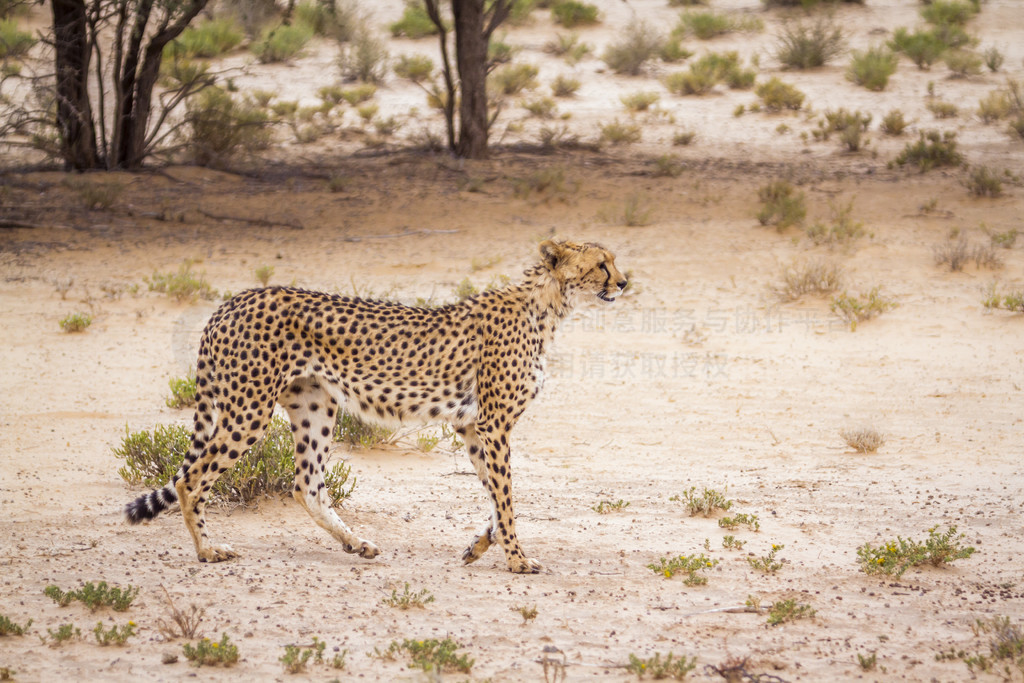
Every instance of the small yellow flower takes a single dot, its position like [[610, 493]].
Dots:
[[216, 645], [131, 623]]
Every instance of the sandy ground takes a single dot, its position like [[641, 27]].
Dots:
[[698, 377]]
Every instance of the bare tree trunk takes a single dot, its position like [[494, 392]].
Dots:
[[471, 58], [74, 113]]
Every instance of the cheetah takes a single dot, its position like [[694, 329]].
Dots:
[[476, 365]]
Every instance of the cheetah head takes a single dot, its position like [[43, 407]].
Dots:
[[583, 268]]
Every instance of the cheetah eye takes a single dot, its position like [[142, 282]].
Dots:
[[605, 269]]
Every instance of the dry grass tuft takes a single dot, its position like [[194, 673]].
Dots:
[[863, 440]]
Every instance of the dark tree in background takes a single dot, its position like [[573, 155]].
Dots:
[[104, 109], [474, 23]]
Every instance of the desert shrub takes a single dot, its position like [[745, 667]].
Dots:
[[850, 127], [982, 181], [776, 95], [565, 86], [617, 133], [268, 468], [512, 79], [640, 43], [782, 205], [281, 43], [840, 229], [962, 63], [13, 41], [872, 68], [570, 13], [706, 72], [941, 109], [863, 440], [569, 47], [364, 57], [893, 123], [806, 46], [75, 322], [337, 20], [414, 23], [856, 309], [705, 24], [639, 101], [896, 557], [805, 4], [683, 138], [416, 68], [924, 47], [993, 59], [817, 277], [994, 106], [948, 12], [218, 126], [932, 150], [541, 107], [206, 40], [672, 50]]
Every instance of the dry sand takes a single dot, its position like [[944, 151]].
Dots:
[[698, 377]]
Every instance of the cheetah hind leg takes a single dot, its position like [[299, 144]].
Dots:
[[312, 411], [487, 537]]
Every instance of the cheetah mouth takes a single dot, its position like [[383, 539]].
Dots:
[[603, 296]]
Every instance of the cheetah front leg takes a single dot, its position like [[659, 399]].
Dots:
[[489, 454]]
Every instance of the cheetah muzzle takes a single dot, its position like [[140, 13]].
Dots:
[[475, 365]]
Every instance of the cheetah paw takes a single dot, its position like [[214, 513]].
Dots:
[[525, 565], [475, 551], [365, 550], [216, 553]]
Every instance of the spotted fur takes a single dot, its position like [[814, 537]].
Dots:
[[475, 365]]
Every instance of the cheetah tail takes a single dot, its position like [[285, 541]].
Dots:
[[149, 505]]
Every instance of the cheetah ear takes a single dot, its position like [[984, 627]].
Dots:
[[552, 252]]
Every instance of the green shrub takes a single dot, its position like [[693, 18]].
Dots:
[[806, 46], [776, 95], [618, 133], [711, 69], [94, 596], [206, 40], [416, 68], [805, 4], [217, 127], [183, 391], [669, 667], [705, 25], [924, 47], [788, 610], [11, 628], [893, 123], [212, 653], [896, 557], [268, 468], [841, 229], [983, 181], [115, 635], [14, 42], [76, 322], [569, 47], [783, 205], [639, 101], [849, 125], [872, 67], [184, 285], [281, 43], [672, 50], [415, 22], [512, 79], [993, 59], [691, 564], [364, 57], [932, 150], [994, 106], [570, 13], [962, 63], [640, 43], [430, 655], [565, 86], [948, 12], [855, 310]]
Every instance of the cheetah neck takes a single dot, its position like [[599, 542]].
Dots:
[[547, 298]]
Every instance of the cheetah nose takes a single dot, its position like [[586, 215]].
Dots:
[[622, 284]]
